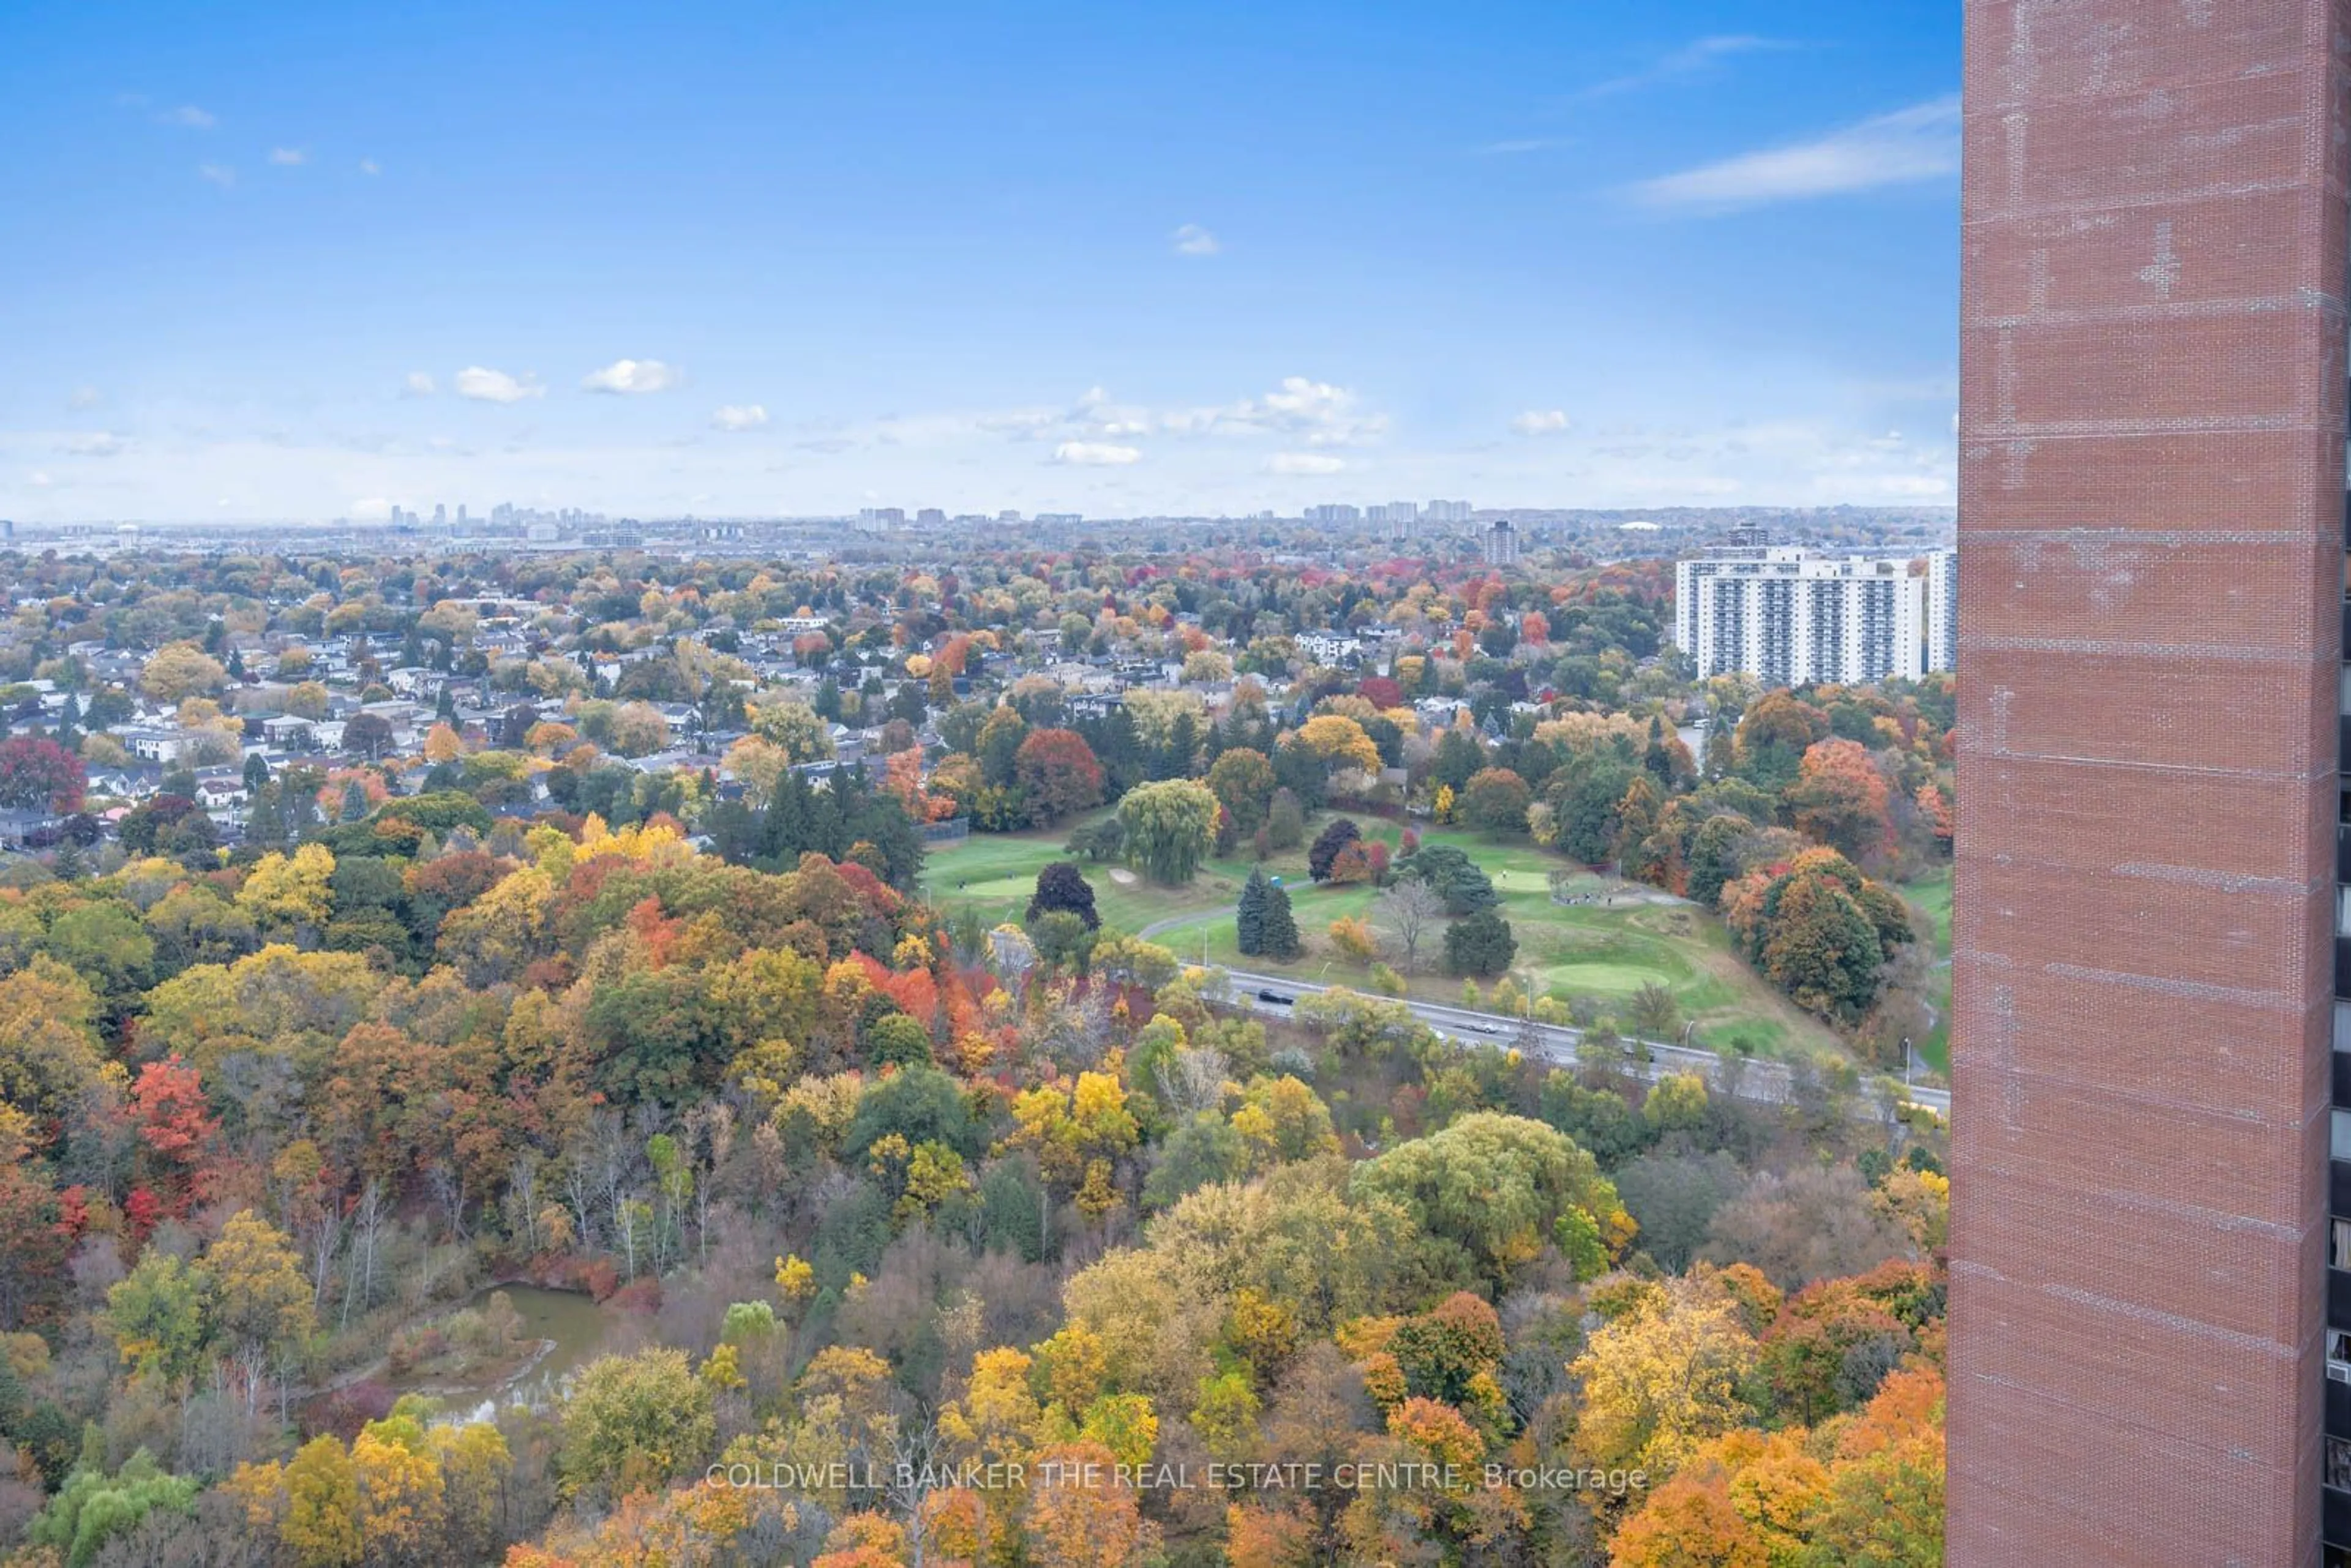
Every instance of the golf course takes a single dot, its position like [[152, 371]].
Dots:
[[1600, 938], [1931, 897]]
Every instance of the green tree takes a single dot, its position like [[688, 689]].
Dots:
[[1249, 922], [156, 1315], [1495, 801], [1000, 744], [1459, 756], [1168, 829], [1481, 944], [894, 1040], [1714, 856], [94, 1508], [1459, 881], [1585, 796], [635, 1421], [1488, 1191], [1280, 925]]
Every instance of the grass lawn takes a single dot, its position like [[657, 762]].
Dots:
[[996, 872], [1931, 895], [1624, 937]]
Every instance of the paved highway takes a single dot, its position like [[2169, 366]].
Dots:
[[1765, 1080]]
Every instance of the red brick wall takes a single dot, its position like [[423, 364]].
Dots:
[[2151, 505]]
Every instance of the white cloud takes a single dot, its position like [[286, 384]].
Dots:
[[1096, 454], [369, 166], [632, 376], [736, 417], [1540, 422], [1921, 143], [92, 444], [1319, 412], [189, 115], [1686, 61], [494, 386], [220, 175], [1304, 463], [1194, 240], [40, 481], [288, 157], [419, 384], [84, 397]]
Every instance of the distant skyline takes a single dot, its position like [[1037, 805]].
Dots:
[[805, 258]]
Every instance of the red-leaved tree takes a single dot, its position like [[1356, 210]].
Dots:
[[37, 774], [1058, 769]]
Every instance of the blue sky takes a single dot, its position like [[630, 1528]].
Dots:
[[277, 262]]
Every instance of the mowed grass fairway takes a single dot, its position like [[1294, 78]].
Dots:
[[1931, 897], [1619, 937], [996, 872]]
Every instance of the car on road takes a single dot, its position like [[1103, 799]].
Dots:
[[1486, 1028], [1275, 998]]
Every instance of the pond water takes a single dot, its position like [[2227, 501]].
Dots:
[[572, 1326]]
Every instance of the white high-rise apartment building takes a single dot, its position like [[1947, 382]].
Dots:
[[1943, 609], [1791, 618]]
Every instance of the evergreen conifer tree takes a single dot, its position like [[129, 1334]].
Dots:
[[1250, 917], [1280, 929]]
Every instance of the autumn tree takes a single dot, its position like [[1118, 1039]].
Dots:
[[261, 1304], [1353, 939], [1079, 1513], [36, 774], [367, 735], [1341, 742], [794, 729], [1324, 851], [1840, 798], [1243, 782], [1773, 734], [52, 1064], [1059, 773], [321, 1522], [178, 671], [1660, 1379], [1819, 930], [289, 890]]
